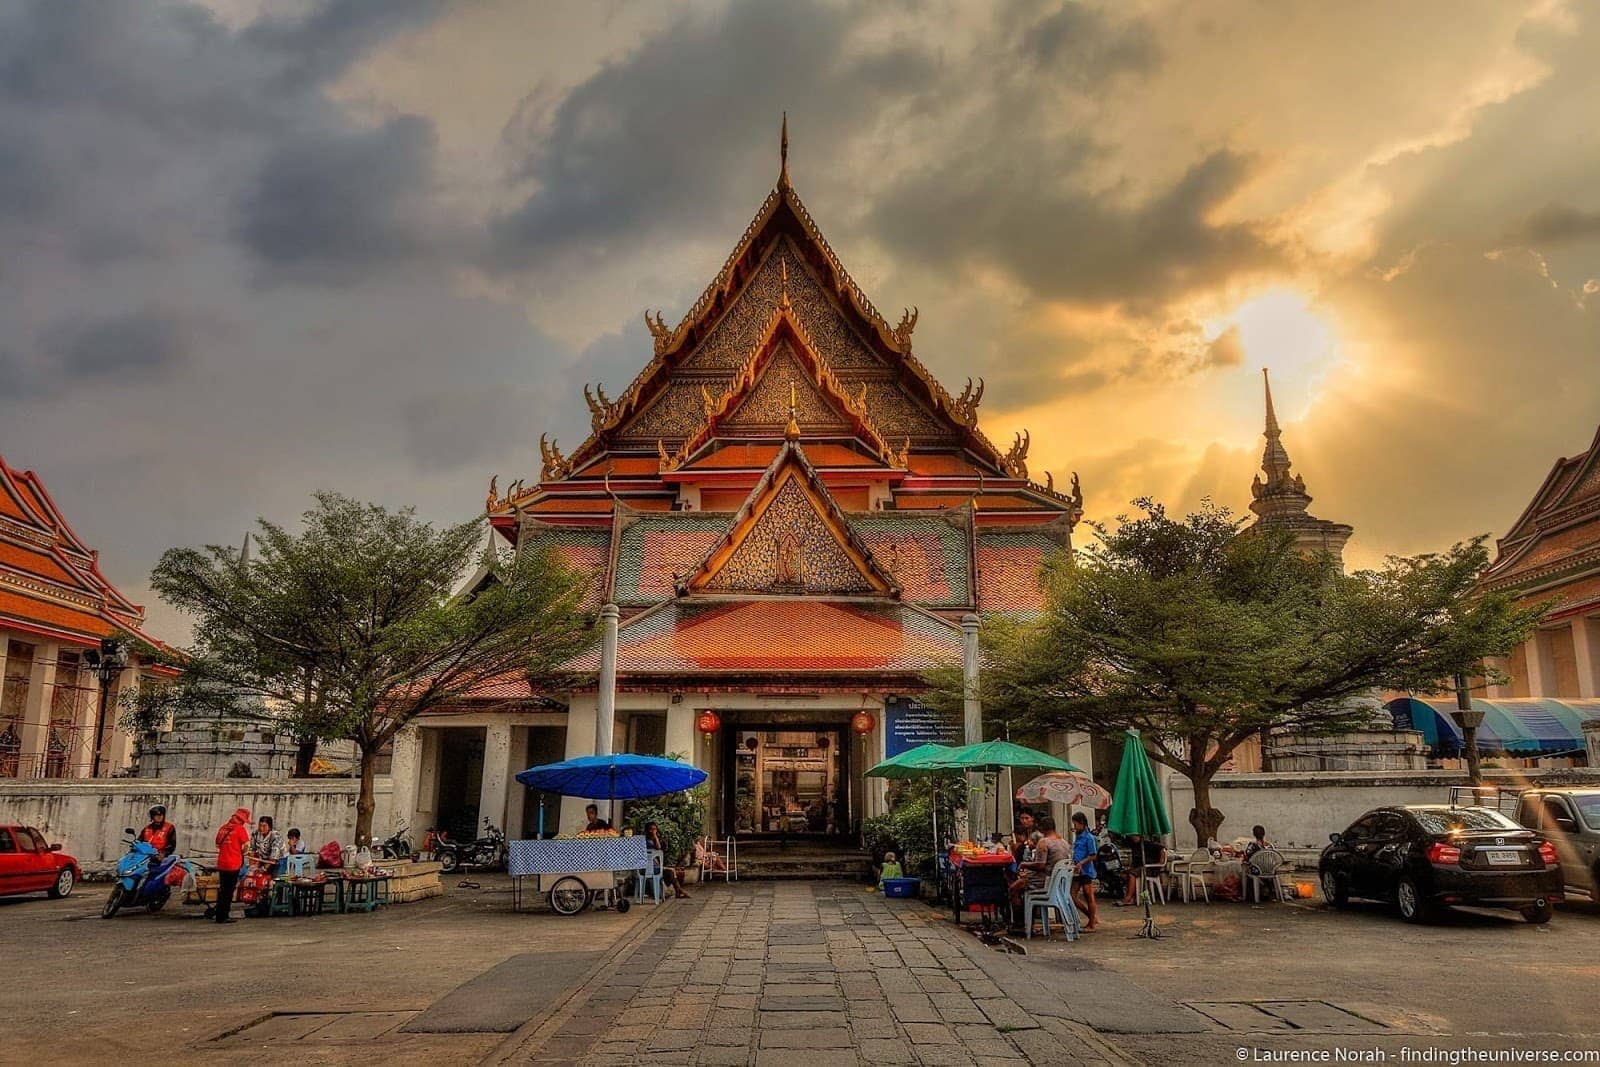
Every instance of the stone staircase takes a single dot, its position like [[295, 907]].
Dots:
[[762, 860]]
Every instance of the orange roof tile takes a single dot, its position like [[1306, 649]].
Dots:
[[786, 634], [39, 564], [24, 609]]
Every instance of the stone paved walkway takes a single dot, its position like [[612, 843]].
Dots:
[[813, 973]]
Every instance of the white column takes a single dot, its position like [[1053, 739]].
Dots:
[[405, 770], [517, 794], [1540, 676], [119, 743], [580, 742], [36, 707], [1585, 653], [681, 736], [979, 815], [427, 798], [605, 722], [496, 773]]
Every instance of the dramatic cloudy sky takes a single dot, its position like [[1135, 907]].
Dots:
[[253, 249]]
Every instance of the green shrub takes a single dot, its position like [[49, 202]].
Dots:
[[681, 817]]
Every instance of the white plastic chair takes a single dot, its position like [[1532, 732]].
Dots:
[[1153, 879], [1056, 896], [650, 878], [1263, 870], [298, 865], [1191, 873], [727, 850]]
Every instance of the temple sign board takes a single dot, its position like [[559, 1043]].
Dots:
[[908, 724]]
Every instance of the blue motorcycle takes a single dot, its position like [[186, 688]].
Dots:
[[141, 879]]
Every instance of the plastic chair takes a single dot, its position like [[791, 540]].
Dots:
[[649, 879], [1056, 897], [297, 866], [1191, 873], [1262, 870], [1152, 879], [727, 850]]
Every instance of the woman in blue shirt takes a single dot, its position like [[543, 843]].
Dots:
[[1084, 847]]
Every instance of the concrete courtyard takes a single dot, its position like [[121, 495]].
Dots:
[[758, 973]]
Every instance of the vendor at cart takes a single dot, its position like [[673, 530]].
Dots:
[[595, 822]]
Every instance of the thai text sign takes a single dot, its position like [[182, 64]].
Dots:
[[909, 724]]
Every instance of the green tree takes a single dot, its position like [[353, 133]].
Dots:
[[350, 625], [1201, 636]]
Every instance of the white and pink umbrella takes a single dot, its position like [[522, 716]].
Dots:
[[1064, 787]]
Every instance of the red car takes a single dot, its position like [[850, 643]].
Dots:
[[28, 864]]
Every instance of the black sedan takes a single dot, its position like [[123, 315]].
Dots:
[[1426, 856]]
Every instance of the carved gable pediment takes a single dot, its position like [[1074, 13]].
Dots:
[[784, 381], [789, 537]]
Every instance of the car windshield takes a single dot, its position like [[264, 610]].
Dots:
[[1448, 820], [1589, 808]]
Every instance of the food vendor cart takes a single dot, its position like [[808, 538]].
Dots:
[[979, 882], [571, 871]]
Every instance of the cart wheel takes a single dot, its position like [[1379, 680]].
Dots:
[[623, 904], [569, 896]]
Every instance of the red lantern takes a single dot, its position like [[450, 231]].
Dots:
[[708, 722], [863, 722]]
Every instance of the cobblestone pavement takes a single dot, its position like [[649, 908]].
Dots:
[[807, 972]]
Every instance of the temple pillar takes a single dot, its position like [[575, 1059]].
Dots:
[[427, 795], [405, 767], [1585, 654], [119, 742], [681, 736], [496, 773], [972, 725], [36, 706], [605, 722], [1537, 665], [517, 793]]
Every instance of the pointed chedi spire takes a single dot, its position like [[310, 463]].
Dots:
[[783, 153], [1275, 458], [244, 550]]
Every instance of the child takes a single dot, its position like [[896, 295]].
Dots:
[[296, 847], [891, 869]]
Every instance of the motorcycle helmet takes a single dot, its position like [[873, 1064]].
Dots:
[[159, 809]]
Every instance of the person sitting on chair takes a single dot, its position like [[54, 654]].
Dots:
[[672, 873], [708, 860], [1141, 854], [891, 869], [1258, 843]]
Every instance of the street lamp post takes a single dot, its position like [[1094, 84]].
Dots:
[[107, 663], [1469, 721]]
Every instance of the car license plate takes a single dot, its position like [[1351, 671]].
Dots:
[[1503, 857]]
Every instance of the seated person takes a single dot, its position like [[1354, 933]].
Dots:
[[672, 873], [1048, 849], [1142, 854], [891, 869], [707, 860], [295, 846], [266, 846], [1019, 844], [1258, 842], [594, 821], [997, 844]]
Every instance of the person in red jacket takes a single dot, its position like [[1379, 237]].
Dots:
[[231, 842]]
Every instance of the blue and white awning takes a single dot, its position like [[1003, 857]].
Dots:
[[1530, 727]]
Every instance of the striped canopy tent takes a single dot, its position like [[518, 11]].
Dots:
[[1527, 728]]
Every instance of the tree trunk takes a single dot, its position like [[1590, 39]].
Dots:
[[366, 801], [1206, 820], [1469, 740], [304, 754]]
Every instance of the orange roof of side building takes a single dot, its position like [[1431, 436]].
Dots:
[[50, 581]]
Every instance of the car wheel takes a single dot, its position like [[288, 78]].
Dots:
[[1334, 890], [569, 896], [1408, 898], [1538, 912], [113, 902], [63, 884]]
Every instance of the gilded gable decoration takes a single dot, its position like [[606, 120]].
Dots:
[[659, 330], [902, 332], [965, 407], [556, 466], [1015, 462]]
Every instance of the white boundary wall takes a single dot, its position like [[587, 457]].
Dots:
[[87, 816]]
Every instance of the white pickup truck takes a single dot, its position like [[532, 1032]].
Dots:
[[1570, 819]]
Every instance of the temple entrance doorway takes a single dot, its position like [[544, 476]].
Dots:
[[788, 781]]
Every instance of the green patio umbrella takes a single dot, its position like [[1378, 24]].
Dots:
[[912, 763], [1136, 805], [992, 757], [915, 763]]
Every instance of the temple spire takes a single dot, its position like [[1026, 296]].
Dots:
[[783, 153], [1275, 458]]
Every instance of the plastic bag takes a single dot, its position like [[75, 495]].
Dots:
[[330, 857]]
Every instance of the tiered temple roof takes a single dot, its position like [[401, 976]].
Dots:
[[50, 581], [784, 462], [1553, 549]]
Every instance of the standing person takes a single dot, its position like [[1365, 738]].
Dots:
[[1084, 847], [232, 840]]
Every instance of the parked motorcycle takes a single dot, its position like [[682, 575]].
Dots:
[[145, 878], [397, 846], [487, 853]]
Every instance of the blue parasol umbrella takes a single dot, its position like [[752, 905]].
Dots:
[[619, 776]]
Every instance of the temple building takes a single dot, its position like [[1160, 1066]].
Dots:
[[55, 610], [789, 521]]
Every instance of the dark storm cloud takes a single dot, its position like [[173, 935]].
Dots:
[[665, 140], [1556, 223], [146, 344], [321, 44], [1080, 43], [332, 205]]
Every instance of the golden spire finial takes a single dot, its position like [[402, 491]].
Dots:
[[783, 153], [783, 268], [791, 432]]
